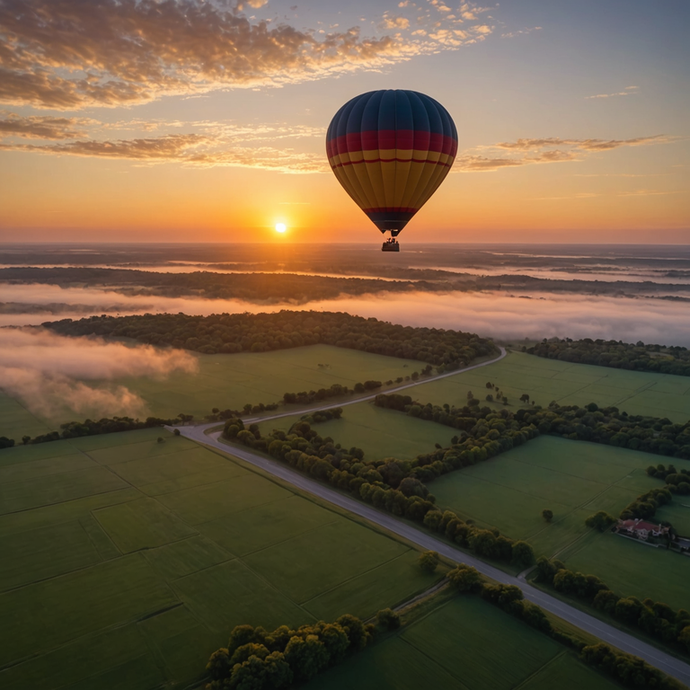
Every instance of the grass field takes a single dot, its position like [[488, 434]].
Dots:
[[229, 381], [378, 432], [659, 395], [131, 560], [633, 569], [466, 644], [574, 479]]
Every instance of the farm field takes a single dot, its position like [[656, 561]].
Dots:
[[634, 569], [574, 479], [659, 395], [380, 433], [455, 646], [229, 381], [139, 557]]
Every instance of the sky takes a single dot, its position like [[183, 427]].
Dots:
[[205, 121]]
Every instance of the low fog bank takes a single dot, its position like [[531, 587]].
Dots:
[[46, 372], [500, 315], [544, 316]]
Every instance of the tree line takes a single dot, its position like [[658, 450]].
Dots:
[[606, 425], [677, 481], [266, 288], [616, 354], [257, 659], [388, 484], [629, 670], [228, 333], [106, 425], [657, 619]]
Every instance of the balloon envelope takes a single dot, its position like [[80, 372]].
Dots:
[[391, 150]]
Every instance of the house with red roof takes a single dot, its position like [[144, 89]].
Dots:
[[640, 529]]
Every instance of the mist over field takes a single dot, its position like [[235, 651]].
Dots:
[[495, 314], [47, 371]]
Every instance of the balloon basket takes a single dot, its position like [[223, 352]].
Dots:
[[391, 246]]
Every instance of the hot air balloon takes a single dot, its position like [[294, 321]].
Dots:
[[390, 150]]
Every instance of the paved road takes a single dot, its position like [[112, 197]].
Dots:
[[361, 398], [627, 643]]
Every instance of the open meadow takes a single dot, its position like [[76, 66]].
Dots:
[[227, 381], [544, 380], [380, 433], [574, 479], [138, 557], [456, 646]]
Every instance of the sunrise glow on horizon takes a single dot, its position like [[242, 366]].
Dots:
[[571, 117]]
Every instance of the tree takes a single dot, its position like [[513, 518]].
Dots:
[[355, 631], [547, 514], [524, 398], [465, 578], [523, 554], [306, 656], [26, 439], [684, 637], [387, 619], [176, 432], [600, 521], [428, 561]]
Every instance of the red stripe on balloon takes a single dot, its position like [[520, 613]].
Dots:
[[391, 209], [392, 139], [390, 160]]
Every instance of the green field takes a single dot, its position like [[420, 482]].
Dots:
[[229, 381], [659, 395], [574, 479], [633, 569], [131, 560], [380, 433], [466, 644]]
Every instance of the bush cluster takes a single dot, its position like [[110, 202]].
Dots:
[[629, 670], [677, 482], [262, 660], [654, 618], [229, 333], [308, 397], [107, 425], [321, 416], [645, 505], [616, 354]]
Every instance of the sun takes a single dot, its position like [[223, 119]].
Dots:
[[281, 227]]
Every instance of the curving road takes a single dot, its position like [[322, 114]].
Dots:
[[627, 643]]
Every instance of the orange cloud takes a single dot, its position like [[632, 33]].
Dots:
[[71, 54], [39, 127]]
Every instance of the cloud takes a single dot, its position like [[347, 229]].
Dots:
[[521, 32], [581, 144], [395, 22], [475, 163], [628, 91], [649, 192], [169, 147], [72, 54], [190, 149], [47, 372], [541, 150], [40, 127]]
